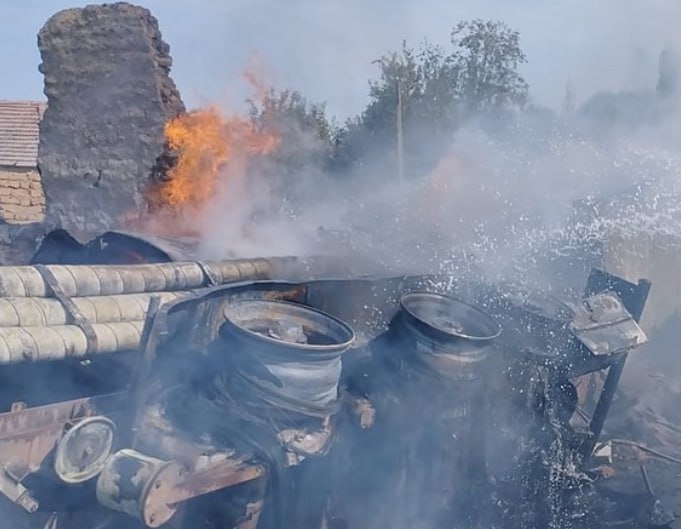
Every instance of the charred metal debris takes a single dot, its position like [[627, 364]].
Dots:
[[171, 393]]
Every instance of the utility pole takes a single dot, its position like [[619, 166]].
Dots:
[[400, 138], [570, 100]]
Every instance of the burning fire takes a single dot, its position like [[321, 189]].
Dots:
[[208, 152], [208, 147]]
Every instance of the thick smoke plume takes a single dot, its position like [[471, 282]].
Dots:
[[502, 190]]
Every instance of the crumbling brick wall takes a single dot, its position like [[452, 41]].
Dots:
[[21, 195], [109, 92]]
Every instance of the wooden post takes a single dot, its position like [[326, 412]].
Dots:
[[400, 139]]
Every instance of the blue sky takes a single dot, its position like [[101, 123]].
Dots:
[[325, 47]]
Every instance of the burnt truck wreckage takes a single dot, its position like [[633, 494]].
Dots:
[[145, 388], [289, 392]]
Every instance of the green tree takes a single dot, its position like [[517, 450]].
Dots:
[[429, 85], [488, 54], [425, 82], [439, 89], [306, 134], [306, 145]]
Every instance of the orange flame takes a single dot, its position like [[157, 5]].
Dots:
[[207, 145], [209, 149]]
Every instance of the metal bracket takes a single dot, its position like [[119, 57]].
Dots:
[[211, 280], [76, 316], [138, 384], [217, 475], [16, 492]]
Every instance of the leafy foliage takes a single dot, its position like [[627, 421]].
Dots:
[[489, 54], [307, 135], [307, 142], [438, 89]]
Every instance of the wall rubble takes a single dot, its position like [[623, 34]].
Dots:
[[106, 71]]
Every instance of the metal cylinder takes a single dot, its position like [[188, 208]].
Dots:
[[140, 486], [449, 337], [103, 280], [37, 312], [445, 342], [82, 281], [26, 344]]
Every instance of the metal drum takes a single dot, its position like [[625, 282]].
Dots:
[[445, 343], [450, 337]]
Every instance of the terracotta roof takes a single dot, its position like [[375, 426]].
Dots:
[[19, 132]]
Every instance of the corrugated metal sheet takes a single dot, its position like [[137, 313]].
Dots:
[[19, 132]]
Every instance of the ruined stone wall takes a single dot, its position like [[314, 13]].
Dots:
[[109, 92], [21, 195]]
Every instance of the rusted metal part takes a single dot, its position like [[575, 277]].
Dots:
[[211, 279], [158, 437], [82, 452], [217, 475], [363, 409], [634, 297], [296, 294], [153, 489], [13, 490], [251, 516], [603, 324], [238, 508], [210, 470], [301, 444], [139, 485], [28, 436], [30, 422], [141, 373], [158, 505], [77, 316]]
